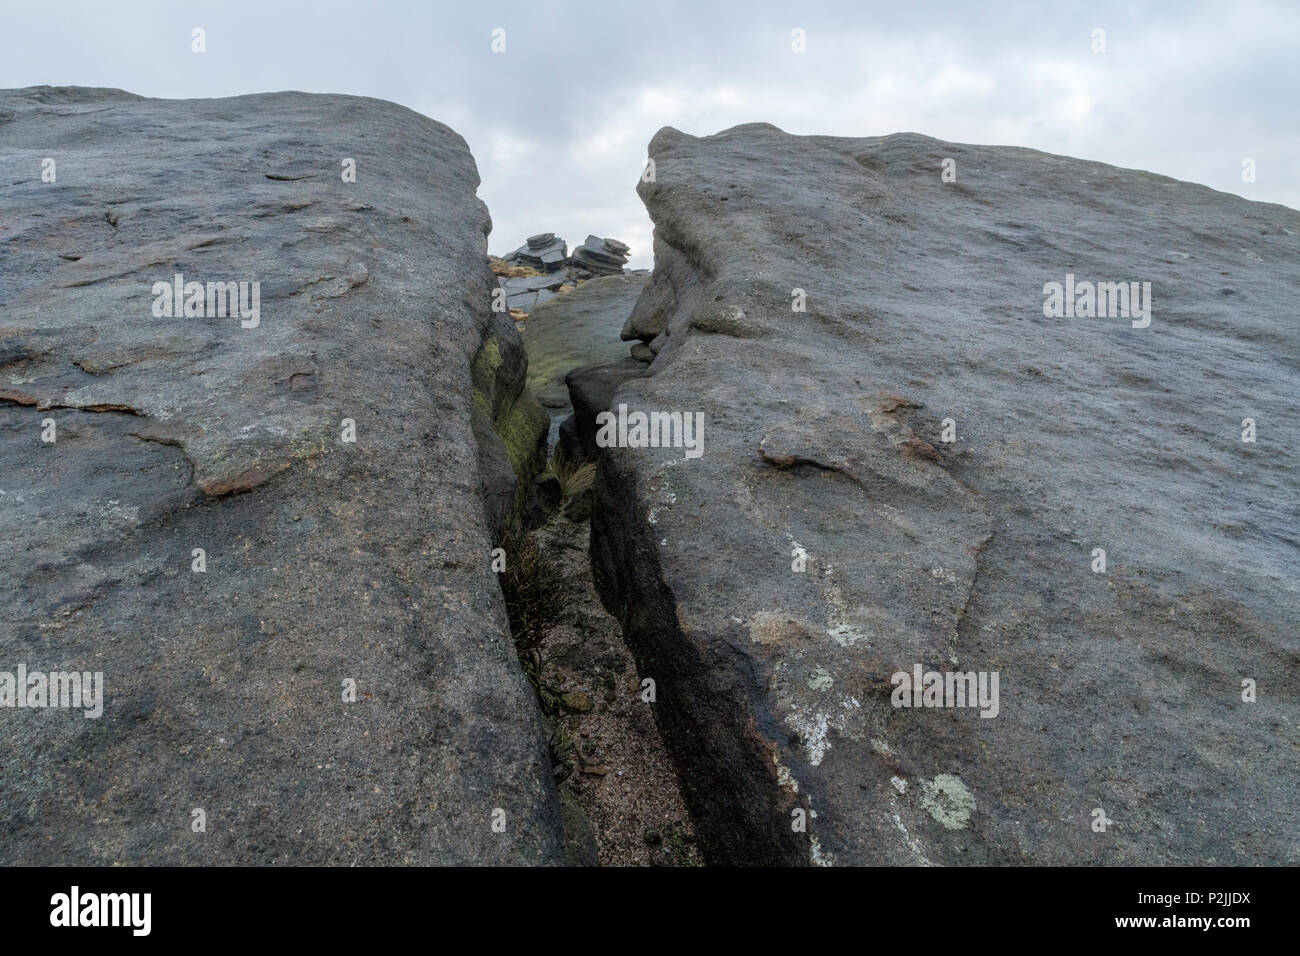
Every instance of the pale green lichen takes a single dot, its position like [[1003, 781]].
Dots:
[[948, 800], [520, 426], [819, 856], [548, 370]]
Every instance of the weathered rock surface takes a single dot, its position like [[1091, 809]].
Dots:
[[510, 425], [591, 390], [326, 562], [576, 329], [1119, 691]]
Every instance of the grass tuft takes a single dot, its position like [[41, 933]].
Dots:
[[533, 590], [574, 479]]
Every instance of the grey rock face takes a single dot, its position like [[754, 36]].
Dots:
[[1120, 692], [591, 390], [326, 562]]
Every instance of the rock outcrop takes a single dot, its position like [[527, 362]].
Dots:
[[906, 463], [538, 271], [200, 528]]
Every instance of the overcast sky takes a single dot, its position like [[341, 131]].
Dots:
[[559, 121]]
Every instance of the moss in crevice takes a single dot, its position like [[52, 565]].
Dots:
[[512, 424]]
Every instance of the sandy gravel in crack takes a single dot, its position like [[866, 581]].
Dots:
[[604, 740]]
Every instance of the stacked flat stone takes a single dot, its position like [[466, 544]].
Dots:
[[526, 293], [544, 252], [601, 256]]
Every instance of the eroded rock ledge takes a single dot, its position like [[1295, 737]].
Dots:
[[923, 304]]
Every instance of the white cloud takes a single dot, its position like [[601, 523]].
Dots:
[[559, 124]]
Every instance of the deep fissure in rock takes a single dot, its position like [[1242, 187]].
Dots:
[[620, 798]]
